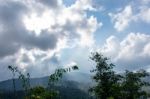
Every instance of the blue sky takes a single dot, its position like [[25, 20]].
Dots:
[[39, 36]]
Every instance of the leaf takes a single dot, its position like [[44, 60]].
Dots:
[[75, 67]]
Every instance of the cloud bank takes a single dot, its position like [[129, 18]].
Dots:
[[132, 52]]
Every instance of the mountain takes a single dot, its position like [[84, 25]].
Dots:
[[8, 84], [72, 79], [71, 86]]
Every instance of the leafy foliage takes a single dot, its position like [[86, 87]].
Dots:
[[39, 92], [106, 79], [53, 78], [132, 84], [110, 85]]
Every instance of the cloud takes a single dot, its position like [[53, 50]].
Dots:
[[77, 27], [129, 53], [111, 46], [10, 17], [50, 3], [33, 34], [122, 19], [44, 41], [135, 12], [144, 14], [145, 1]]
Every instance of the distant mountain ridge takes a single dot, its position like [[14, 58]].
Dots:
[[70, 87], [81, 81]]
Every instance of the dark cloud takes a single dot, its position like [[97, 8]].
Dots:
[[50, 3], [44, 41], [10, 14], [7, 49], [14, 34]]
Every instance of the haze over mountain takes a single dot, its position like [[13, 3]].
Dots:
[[67, 86], [83, 83]]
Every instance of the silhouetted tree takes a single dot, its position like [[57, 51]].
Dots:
[[53, 78], [107, 82], [13, 70], [110, 85], [24, 79], [132, 84], [57, 75]]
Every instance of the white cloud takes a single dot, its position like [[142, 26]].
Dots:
[[111, 46], [144, 14], [122, 19], [70, 20], [145, 1], [146, 51], [36, 23], [83, 5], [131, 53], [131, 13]]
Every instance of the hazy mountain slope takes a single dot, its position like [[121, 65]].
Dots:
[[69, 86], [73, 80]]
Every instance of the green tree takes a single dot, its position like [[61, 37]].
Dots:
[[110, 85], [40, 92], [107, 81], [133, 83]]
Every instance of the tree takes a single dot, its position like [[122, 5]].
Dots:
[[107, 81], [132, 84], [25, 79], [25, 82], [13, 70], [57, 75], [39, 92], [110, 85], [53, 78]]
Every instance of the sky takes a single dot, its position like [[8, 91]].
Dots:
[[39, 36]]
